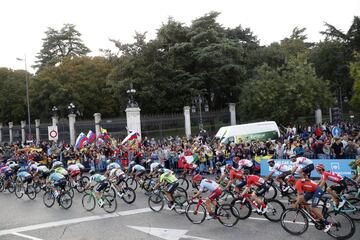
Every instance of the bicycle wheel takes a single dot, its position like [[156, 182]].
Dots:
[[183, 183], [110, 203], [274, 211], [12, 187], [180, 208], [2, 184], [294, 221], [132, 183], [343, 226], [271, 193], [110, 191], [70, 190], [226, 196], [156, 202], [65, 200], [353, 209], [19, 190], [227, 215], [31, 192], [196, 213], [148, 184], [81, 183], [243, 208], [180, 195], [49, 198], [37, 187], [88, 202], [129, 195]]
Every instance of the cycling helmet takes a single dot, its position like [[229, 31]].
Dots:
[[228, 167], [290, 178], [320, 167], [197, 177], [108, 162], [270, 160], [57, 164], [292, 156], [218, 164], [92, 172]]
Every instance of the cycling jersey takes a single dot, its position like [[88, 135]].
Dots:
[[73, 167], [305, 185], [254, 180], [302, 162], [236, 174], [61, 170], [116, 173], [331, 176], [113, 165], [97, 178], [23, 175], [208, 184], [280, 167], [168, 178], [153, 166], [56, 177], [245, 163], [42, 169], [138, 168]]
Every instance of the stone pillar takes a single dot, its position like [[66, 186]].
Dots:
[[318, 116], [232, 109], [1, 125], [187, 121], [330, 115], [97, 117], [37, 130], [72, 120], [23, 137], [10, 132], [55, 120], [133, 119]]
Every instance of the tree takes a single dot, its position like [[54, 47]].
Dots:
[[81, 80], [355, 75], [283, 94], [58, 45]]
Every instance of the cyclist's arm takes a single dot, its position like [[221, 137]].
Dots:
[[299, 199], [321, 182], [246, 190], [268, 176], [197, 194], [231, 180]]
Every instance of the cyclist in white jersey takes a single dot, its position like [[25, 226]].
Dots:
[[301, 165], [281, 170]]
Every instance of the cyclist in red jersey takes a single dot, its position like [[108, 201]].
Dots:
[[261, 187], [233, 176], [306, 190], [336, 188]]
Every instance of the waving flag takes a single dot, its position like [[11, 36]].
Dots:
[[91, 136], [104, 133], [132, 135], [81, 140]]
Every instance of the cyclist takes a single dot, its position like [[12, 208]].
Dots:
[[74, 171], [245, 164], [282, 170], [112, 165], [306, 190], [171, 183], [301, 165], [254, 181], [56, 180], [137, 171], [101, 184], [233, 176], [116, 175], [334, 189], [24, 177], [59, 168], [214, 189]]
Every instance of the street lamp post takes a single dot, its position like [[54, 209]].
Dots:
[[131, 102], [197, 103], [71, 108], [27, 94]]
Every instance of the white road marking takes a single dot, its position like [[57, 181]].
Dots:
[[72, 221], [167, 233], [26, 236]]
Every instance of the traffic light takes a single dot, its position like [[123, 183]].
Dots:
[[336, 114]]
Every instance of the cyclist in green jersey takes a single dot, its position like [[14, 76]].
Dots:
[[168, 179], [101, 182]]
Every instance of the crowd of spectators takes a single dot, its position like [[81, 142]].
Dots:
[[309, 141]]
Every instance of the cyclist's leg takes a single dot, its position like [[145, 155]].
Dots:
[[332, 191]]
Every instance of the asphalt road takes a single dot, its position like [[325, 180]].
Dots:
[[26, 219]]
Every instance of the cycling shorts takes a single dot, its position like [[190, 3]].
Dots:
[[215, 194], [172, 186], [102, 185], [261, 190], [75, 173], [241, 184], [120, 179], [307, 169], [139, 173], [61, 183], [283, 175], [315, 196], [339, 187]]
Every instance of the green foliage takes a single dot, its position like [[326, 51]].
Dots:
[[355, 75], [283, 94], [58, 45]]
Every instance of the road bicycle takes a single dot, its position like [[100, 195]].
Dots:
[[21, 189], [127, 194], [158, 198], [62, 197], [89, 201], [275, 189], [351, 206], [245, 206], [80, 183], [296, 221], [145, 183], [225, 213]]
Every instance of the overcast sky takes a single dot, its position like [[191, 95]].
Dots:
[[23, 22]]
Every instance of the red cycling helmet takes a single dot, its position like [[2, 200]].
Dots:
[[197, 177], [320, 167], [290, 178], [228, 167]]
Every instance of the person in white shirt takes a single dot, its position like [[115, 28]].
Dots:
[[302, 166]]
